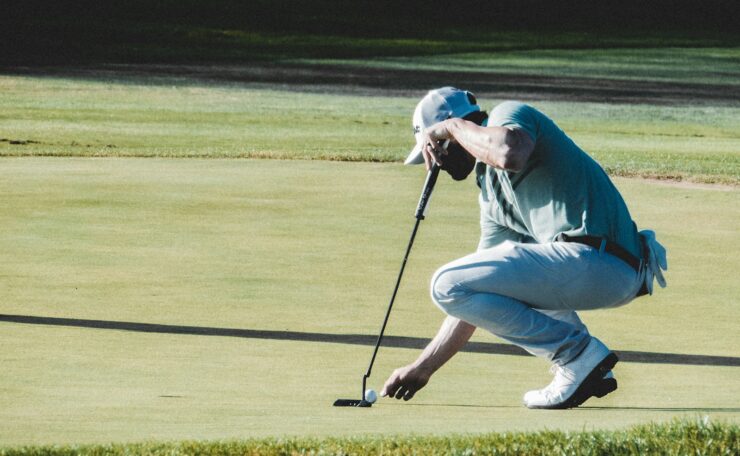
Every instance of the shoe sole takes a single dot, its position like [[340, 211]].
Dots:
[[593, 385], [606, 386]]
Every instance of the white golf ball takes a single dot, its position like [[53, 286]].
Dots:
[[371, 396]]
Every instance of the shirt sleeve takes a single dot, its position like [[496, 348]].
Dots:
[[516, 115]]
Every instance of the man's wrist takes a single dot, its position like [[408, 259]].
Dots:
[[451, 125], [425, 366]]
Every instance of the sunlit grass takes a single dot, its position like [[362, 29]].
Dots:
[[163, 117], [310, 247]]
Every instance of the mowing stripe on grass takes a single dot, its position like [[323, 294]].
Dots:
[[353, 339]]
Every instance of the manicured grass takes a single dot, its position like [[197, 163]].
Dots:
[[213, 249], [675, 438], [180, 117], [314, 247]]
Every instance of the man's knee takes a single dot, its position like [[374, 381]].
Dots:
[[446, 289]]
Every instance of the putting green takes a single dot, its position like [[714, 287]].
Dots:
[[309, 247]]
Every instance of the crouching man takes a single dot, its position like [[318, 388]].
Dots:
[[556, 238]]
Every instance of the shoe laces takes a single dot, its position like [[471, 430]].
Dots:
[[553, 391], [561, 374]]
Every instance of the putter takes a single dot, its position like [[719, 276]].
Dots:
[[421, 210]]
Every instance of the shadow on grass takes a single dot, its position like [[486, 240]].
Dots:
[[238, 41], [353, 339], [371, 81]]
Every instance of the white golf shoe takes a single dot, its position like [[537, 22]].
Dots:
[[587, 375]]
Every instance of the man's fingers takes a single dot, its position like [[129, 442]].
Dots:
[[440, 147], [390, 392], [427, 160], [391, 386], [403, 384], [432, 152], [429, 156], [436, 152], [401, 392]]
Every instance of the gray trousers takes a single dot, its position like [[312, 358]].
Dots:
[[528, 293]]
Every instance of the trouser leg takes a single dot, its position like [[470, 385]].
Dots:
[[502, 290], [567, 316], [519, 324]]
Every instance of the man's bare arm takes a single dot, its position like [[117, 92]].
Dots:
[[405, 381], [500, 147]]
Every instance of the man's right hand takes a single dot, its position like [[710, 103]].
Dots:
[[404, 382]]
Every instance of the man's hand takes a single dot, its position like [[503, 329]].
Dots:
[[404, 382], [434, 140], [500, 147]]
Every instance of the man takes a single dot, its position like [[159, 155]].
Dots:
[[556, 238]]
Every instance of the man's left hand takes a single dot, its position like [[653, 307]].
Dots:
[[434, 138]]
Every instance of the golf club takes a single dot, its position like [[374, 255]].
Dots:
[[420, 214]]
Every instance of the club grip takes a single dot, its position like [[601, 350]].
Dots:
[[426, 194]]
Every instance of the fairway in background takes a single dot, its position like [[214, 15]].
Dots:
[[149, 116]]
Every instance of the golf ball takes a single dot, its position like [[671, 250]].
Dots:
[[371, 396]]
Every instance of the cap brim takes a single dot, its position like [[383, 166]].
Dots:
[[415, 156]]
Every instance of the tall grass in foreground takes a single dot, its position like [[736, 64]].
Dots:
[[675, 438]]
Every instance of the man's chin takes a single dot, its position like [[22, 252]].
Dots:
[[460, 170], [459, 176], [459, 163]]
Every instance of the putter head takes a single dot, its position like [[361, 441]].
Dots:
[[352, 403]]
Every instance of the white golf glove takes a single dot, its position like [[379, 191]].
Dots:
[[656, 262]]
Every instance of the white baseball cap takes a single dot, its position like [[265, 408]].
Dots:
[[436, 106]]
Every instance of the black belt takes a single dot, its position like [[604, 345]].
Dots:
[[610, 248]]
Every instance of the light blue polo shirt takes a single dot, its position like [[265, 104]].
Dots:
[[561, 189]]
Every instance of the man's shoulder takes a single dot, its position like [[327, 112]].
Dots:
[[511, 103], [514, 108], [518, 115]]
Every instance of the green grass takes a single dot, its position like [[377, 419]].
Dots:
[[675, 438], [105, 216], [309, 246], [181, 117]]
